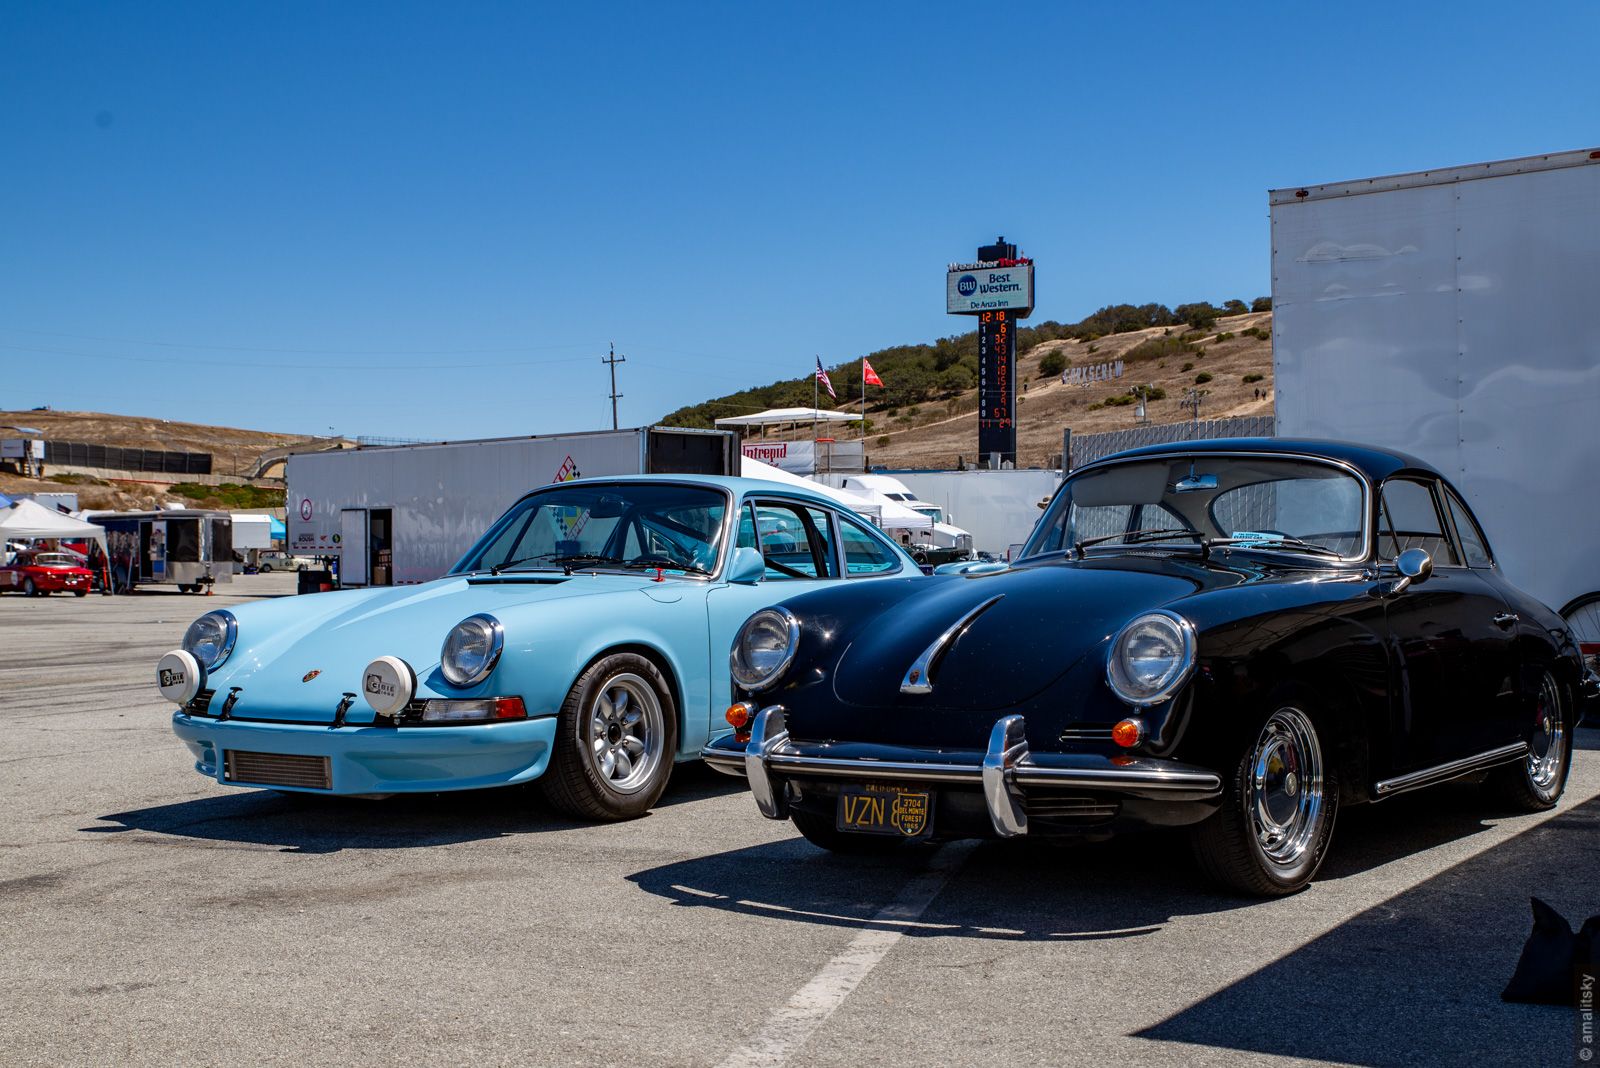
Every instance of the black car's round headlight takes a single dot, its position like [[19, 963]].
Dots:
[[1151, 657], [764, 648], [471, 650], [210, 638]]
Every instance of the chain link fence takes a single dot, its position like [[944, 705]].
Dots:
[[1091, 447]]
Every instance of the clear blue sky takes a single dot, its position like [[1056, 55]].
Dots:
[[428, 221]]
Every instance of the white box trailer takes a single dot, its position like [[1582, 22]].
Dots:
[[403, 514], [999, 507], [1450, 314]]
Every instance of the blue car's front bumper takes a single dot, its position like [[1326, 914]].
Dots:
[[367, 760]]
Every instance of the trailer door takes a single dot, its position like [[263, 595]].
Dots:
[[353, 547]]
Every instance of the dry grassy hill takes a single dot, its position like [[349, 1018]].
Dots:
[[935, 434], [232, 450]]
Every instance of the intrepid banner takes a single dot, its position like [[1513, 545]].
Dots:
[[978, 287]]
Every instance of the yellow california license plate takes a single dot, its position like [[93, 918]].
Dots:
[[892, 810]]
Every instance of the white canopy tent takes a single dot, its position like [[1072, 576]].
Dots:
[[31, 521], [773, 416], [888, 514]]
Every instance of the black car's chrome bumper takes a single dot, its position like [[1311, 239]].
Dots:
[[1004, 772]]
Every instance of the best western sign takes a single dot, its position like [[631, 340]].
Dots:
[[970, 288]]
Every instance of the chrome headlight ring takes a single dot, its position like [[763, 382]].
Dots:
[[480, 639], [210, 638], [778, 628], [1146, 633]]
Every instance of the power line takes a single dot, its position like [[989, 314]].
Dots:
[[302, 352], [292, 366]]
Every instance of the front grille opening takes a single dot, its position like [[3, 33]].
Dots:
[[1087, 732], [1066, 809], [199, 703], [276, 769]]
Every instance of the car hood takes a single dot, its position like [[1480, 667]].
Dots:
[[296, 657], [1033, 624]]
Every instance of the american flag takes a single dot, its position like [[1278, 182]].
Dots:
[[822, 376]]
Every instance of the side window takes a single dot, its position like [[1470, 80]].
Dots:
[[790, 541], [1409, 519], [863, 553], [1473, 545]]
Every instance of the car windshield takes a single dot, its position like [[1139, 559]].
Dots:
[[606, 525], [1246, 501]]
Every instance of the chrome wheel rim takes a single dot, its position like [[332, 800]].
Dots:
[[1546, 747], [625, 732], [1286, 802]]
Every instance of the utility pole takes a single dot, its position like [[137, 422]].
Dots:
[[1191, 401], [613, 360]]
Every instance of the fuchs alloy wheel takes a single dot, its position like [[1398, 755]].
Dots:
[[1536, 782], [616, 737], [1277, 816]]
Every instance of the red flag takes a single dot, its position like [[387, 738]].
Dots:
[[868, 375], [822, 376]]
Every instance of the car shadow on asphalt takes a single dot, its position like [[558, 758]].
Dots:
[[1036, 890], [312, 823], [1417, 979]]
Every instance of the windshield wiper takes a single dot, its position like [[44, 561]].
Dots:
[[662, 563], [1275, 541], [564, 562], [1131, 536]]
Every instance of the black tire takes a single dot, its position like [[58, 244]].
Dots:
[[80, 593], [578, 781], [29, 588], [265, 569], [1228, 845], [1536, 782], [823, 831]]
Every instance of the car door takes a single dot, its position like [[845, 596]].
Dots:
[[799, 541], [1454, 658]]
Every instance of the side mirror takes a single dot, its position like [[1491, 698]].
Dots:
[[747, 566], [1415, 566]]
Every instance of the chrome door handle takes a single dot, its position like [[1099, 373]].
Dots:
[[1506, 620]]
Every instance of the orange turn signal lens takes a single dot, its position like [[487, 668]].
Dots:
[[739, 715], [1128, 733]]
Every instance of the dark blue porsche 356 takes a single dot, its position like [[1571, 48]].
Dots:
[[1231, 636]]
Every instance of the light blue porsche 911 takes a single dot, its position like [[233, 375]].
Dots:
[[583, 642]]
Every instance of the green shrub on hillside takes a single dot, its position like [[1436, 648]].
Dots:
[[1052, 364], [1261, 304], [1188, 366], [1158, 347], [1225, 336], [1202, 378], [1253, 378], [229, 495]]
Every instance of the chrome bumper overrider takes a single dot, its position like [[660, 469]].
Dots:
[[1004, 772]]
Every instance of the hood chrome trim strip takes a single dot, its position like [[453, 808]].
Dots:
[[919, 676]]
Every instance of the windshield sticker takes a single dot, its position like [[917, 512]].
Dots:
[[1255, 535]]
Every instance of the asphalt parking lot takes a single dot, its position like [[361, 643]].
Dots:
[[154, 917]]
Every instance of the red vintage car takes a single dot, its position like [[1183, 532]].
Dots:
[[43, 573]]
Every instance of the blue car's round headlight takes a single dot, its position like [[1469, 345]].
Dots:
[[471, 650], [210, 638], [1151, 657], [764, 648]]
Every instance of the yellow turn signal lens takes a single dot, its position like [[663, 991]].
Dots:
[[739, 715], [1128, 733]]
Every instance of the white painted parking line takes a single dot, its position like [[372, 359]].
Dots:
[[789, 1027]]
